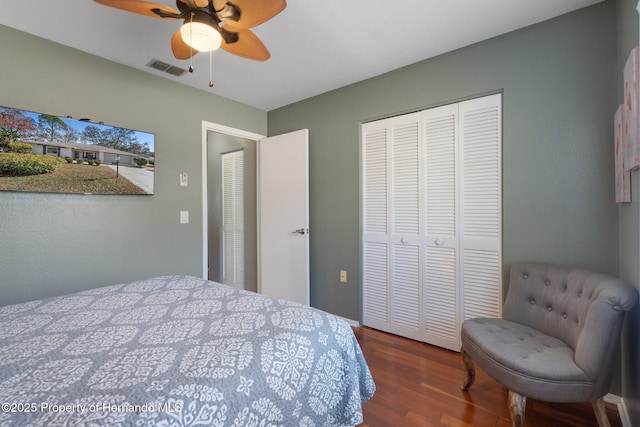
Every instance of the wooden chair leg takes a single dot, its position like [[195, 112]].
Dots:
[[601, 412], [517, 404], [471, 371]]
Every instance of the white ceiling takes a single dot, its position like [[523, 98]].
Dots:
[[315, 45]]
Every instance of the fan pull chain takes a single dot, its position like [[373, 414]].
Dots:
[[191, 45], [210, 68]]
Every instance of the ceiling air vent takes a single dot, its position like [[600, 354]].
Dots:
[[167, 68]]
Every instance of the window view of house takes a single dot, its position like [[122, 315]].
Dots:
[[125, 158]]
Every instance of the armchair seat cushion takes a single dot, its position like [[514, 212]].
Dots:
[[525, 359]]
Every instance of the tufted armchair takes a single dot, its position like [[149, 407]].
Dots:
[[558, 339]]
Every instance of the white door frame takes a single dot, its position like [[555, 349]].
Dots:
[[206, 127]]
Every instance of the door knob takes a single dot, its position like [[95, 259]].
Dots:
[[300, 231]]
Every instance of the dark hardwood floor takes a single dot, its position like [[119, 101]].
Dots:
[[419, 385]]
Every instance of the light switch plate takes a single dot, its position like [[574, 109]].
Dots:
[[184, 179], [184, 217]]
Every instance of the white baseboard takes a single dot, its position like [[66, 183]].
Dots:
[[352, 323], [622, 408]]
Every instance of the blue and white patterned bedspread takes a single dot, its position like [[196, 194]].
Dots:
[[178, 351]]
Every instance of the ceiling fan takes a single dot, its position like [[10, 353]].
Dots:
[[211, 24]]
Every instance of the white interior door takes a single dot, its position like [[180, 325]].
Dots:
[[283, 216]]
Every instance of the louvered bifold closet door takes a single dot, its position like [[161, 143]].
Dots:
[[391, 199], [375, 226], [406, 245], [440, 286], [481, 209], [432, 220], [233, 219]]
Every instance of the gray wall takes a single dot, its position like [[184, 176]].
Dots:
[[559, 85], [627, 34], [54, 244]]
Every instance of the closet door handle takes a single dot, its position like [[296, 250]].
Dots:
[[403, 240], [439, 242]]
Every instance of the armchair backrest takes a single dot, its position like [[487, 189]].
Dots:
[[582, 308]]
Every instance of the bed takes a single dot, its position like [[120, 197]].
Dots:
[[178, 351]]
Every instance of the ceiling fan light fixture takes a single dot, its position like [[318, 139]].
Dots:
[[202, 37]]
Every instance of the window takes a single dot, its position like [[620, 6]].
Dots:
[[51, 151]]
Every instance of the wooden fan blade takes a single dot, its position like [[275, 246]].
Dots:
[[180, 49], [253, 12], [196, 3], [137, 6], [248, 46], [218, 5]]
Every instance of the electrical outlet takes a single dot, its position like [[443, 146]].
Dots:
[[184, 179], [343, 276]]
